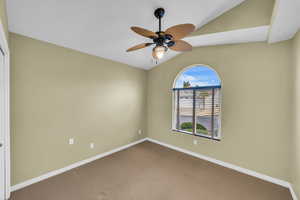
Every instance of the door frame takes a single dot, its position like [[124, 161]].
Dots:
[[5, 108]]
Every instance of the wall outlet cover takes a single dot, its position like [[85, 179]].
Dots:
[[71, 141], [92, 145]]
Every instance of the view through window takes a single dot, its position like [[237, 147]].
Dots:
[[197, 104]]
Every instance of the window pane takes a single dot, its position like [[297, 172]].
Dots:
[[175, 125], [203, 103], [186, 110]]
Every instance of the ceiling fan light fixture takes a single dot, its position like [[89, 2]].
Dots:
[[158, 52]]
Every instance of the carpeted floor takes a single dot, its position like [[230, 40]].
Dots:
[[149, 171]]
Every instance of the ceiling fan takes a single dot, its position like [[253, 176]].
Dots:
[[164, 40]]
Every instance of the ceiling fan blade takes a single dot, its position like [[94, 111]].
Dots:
[[144, 32], [139, 46], [181, 45], [180, 31]]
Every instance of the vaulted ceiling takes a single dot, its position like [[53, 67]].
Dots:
[[102, 28]]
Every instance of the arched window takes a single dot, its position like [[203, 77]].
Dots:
[[197, 102]]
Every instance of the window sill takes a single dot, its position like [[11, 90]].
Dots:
[[198, 135]]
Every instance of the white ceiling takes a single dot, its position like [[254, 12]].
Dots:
[[102, 28]]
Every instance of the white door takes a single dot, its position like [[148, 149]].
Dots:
[[2, 130]]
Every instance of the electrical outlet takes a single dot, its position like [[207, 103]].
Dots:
[[140, 132], [71, 141], [195, 142], [92, 145]]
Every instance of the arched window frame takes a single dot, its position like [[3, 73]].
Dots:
[[175, 97]]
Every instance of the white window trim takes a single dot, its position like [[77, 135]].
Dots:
[[174, 117], [5, 107]]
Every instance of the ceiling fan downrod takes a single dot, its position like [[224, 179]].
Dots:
[[159, 13]]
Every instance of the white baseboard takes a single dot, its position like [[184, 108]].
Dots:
[[231, 166], [293, 192], [77, 164], [225, 164], [197, 155]]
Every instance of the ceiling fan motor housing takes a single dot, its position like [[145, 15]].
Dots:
[[163, 39]]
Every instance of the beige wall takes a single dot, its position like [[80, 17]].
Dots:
[[3, 16], [248, 14], [296, 135], [57, 94], [256, 115]]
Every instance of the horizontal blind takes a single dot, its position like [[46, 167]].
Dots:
[[198, 111], [185, 110]]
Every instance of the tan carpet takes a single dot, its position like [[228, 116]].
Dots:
[[148, 171]]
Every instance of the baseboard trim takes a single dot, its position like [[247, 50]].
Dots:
[[293, 192], [197, 155], [225, 164], [72, 166]]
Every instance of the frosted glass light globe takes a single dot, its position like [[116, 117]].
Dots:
[[158, 52]]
